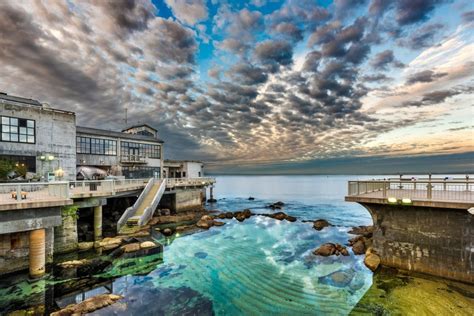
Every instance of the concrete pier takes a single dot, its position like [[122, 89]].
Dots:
[[98, 223], [37, 255], [421, 225]]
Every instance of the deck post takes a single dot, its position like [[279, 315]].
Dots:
[[98, 223], [211, 192], [37, 255], [18, 193], [384, 190]]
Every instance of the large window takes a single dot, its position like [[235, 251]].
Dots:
[[96, 146], [17, 130], [139, 149]]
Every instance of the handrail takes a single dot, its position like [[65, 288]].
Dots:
[[132, 209], [148, 213], [204, 181]]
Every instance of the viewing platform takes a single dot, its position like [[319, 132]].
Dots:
[[457, 193], [51, 194]]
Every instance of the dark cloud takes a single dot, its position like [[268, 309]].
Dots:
[[422, 37], [383, 60], [433, 98], [409, 11], [468, 16], [248, 74], [272, 52], [288, 29], [344, 7], [425, 76], [376, 78]]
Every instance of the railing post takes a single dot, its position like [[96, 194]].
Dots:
[[467, 183], [384, 190], [358, 189], [429, 190], [18, 193]]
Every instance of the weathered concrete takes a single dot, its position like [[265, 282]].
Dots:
[[37, 253], [29, 219], [98, 223], [55, 136], [182, 200], [65, 235], [434, 241]]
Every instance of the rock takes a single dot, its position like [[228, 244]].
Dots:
[[131, 247], [247, 213], [279, 203], [338, 278], [73, 263], [216, 223], [290, 218], [325, 250], [229, 215], [206, 218], [85, 245], [366, 231], [279, 216], [110, 240], [211, 200], [167, 232], [147, 244], [320, 224], [340, 249], [141, 233], [157, 229], [221, 216], [251, 198], [89, 305], [240, 216], [358, 247], [165, 212], [153, 221], [372, 261]]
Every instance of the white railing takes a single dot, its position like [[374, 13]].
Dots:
[[133, 158], [33, 191], [104, 186], [130, 211], [150, 210], [184, 182], [422, 189]]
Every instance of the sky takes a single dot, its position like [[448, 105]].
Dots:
[[260, 86]]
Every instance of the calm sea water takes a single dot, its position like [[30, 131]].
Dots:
[[258, 267]]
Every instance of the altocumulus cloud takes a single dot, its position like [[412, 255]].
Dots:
[[236, 81]]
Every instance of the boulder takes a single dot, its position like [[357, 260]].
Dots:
[[221, 216], [110, 240], [325, 250], [165, 212], [147, 244], [131, 247], [217, 223], [229, 215], [205, 224], [167, 232], [240, 216], [251, 198], [372, 261], [206, 218], [366, 231], [358, 247], [340, 249], [85, 245], [211, 200], [73, 263], [290, 218], [279, 203], [320, 224], [247, 213], [279, 216], [89, 305]]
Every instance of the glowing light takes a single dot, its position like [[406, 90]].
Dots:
[[50, 157], [406, 201], [42, 157], [392, 200]]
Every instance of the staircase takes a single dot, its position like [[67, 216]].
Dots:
[[142, 211]]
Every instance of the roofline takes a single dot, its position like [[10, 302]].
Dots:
[[180, 161], [107, 133], [35, 104], [139, 125]]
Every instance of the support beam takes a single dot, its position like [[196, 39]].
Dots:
[[37, 255], [98, 223]]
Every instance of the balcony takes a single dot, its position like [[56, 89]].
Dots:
[[133, 159]]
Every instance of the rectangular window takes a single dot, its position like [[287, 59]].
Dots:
[[96, 146], [142, 150], [17, 130]]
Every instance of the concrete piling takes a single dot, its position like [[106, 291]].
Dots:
[[98, 223], [37, 255]]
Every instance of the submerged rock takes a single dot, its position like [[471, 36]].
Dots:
[[281, 216], [319, 224], [73, 263], [147, 244], [221, 216], [229, 215], [85, 245], [365, 231], [276, 206], [329, 249], [338, 278], [217, 223], [89, 305], [167, 232], [358, 247], [205, 222], [131, 247], [211, 200], [251, 198]]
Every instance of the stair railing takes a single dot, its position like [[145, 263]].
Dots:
[[150, 210], [130, 211]]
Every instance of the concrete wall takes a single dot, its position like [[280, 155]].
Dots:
[[182, 200], [65, 235], [55, 135], [434, 241], [193, 169]]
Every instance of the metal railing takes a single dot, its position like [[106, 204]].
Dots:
[[417, 189], [130, 211], [184, 182], [104, 186], [150, 210], [133, 158], [33, 191]]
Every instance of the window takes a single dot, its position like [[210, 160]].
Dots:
[[96, 146], [143, 150], [17, 130]]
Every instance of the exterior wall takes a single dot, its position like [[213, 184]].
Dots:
[[434, 241], [55, 135], [182, 200], [193, 169], [65, 236]]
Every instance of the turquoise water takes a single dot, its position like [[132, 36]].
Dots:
[[260, 266]]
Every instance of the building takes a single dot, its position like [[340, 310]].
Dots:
[[37, 139], [183, 169], [131, 153]]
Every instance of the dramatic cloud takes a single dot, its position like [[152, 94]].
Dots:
[[258, 82]]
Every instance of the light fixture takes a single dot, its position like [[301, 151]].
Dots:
[[392, 200], [59, 172], [50, 157], [406, 201], [42, 157]]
